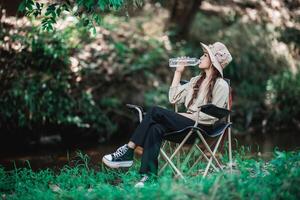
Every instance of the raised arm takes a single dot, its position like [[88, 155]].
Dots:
[[176, 78], [177, 91]]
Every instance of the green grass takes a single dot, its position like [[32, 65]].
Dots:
[[254, 178]]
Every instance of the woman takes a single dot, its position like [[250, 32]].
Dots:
[[208, 87]]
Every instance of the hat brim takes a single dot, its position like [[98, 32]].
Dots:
[[213, 59]]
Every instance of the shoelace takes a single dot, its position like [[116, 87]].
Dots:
[[120, 151]]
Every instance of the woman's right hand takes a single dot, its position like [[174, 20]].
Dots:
[[181, 68]]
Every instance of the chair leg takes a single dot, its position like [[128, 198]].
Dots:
[[213, 156], [177, 149], [199, 159], [229, 149], [171, 163], [209, 149], [196, 162], [189, 154], [162, 147], [206, 158], [178, 157]]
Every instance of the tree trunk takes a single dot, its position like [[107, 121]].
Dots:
[[11, 6], [182, 14]]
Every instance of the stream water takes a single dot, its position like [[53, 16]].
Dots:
[[55, 155]]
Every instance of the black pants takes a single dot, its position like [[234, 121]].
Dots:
[[149, 134]]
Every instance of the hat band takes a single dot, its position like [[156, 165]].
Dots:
[[223, 64], [211, 48]]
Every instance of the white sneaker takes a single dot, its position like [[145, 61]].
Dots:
[[141, 183]]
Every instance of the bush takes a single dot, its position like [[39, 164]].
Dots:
[[38, 86], [283, 99]]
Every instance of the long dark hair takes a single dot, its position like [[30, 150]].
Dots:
[[212, 81]]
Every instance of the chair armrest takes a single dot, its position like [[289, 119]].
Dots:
[[134, 106], [214, 110], [138, 108]]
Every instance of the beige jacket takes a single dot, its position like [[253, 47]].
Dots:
[[183, 94]]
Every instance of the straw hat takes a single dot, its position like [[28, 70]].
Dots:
[[219, 55]]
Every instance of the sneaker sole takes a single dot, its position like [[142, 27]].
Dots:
[[139, 185], [118, 164]]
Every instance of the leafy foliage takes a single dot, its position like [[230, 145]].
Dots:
[[39, 88], [283, 90], [89, 11]]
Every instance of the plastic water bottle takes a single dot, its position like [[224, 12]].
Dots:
[[176, 62]]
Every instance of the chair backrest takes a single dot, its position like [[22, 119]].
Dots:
[[230, 94]]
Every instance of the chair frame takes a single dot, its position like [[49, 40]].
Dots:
[[199, 133]]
